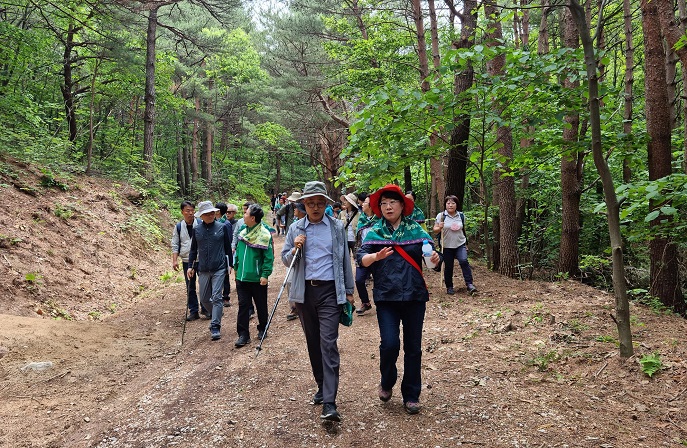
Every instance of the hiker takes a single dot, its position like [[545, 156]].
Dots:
[[208, 257], [322, 282], [221, 216], [237, 228], [253, 263], [221, 213], [276, 221], [418, 215], [362, 273], [451, 224], [392, 249], [231, 214], [181, 246], [298, 213], [349, 215], [286, 212]]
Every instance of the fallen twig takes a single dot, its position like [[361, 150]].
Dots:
[[678, 395], [598, 372], [57, 376]]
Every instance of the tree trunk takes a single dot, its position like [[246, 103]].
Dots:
[[195, 139], [68, 85], [622, 306], [665, 273], [462, 81], [504, 182], [629, 82], [571, 173], [209, 134], [149, 114]]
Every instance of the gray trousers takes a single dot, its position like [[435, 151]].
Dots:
[[210, 286], [319, 316]]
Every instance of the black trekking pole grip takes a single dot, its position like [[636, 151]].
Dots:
[[296, 256]]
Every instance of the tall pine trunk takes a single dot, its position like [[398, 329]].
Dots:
[[665, 274], [571, 172], [149, 113]]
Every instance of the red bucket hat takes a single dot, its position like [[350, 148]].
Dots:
[[408, 204]]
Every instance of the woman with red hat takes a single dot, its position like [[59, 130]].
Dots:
[[393, 251]]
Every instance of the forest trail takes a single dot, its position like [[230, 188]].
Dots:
[[520, 364]]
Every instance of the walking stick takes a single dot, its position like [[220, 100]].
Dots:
[[274, 308], [185, 317]]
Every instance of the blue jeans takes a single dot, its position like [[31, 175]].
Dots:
[[362, 274], [191, 295], [460, 253], [390, 315], [210, 284]]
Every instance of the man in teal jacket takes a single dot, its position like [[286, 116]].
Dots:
[[253, 261]]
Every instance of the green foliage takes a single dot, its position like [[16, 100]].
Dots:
[[48, 180], [146, 226], [63, 212], [651, 364], [33, 278], [542, 360]]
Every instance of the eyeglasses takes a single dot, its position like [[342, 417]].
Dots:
[[315, 204], [389, 203]]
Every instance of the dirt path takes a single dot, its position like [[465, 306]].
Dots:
[[521, 364]]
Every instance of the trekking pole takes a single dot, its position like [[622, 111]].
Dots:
[[274, 308], [183, 332]]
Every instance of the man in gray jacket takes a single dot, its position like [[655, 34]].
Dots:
[[322, 282], [181, 247]]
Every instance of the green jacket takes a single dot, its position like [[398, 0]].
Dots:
[[252, 261]]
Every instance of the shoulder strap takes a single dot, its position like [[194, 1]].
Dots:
[[410, 260], [179, 229]]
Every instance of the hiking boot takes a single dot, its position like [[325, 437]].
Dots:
[[450, 291], [251, 313], [412, 407], [215, 334], [192, 317], [292, 316], [261, 335], [384, 395], [226, 303], [318, 398], [363, 308], [206, 315], [330, 413], [471, 288], [242, 340]]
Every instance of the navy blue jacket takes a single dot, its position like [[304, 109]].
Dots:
[[396, 280], [210, 245]]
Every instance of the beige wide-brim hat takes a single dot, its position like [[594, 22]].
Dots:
[[315, 188], [353, 199], [295, 196], [205, 207]]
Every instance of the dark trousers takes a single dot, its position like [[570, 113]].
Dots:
[[319, 315], [361, 275], [191, 294], [460, 253], [390, 315], [248, 293], [226, 287]]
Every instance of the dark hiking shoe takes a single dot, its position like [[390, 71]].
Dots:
[[412, 407], [293, 315], [261, 335], [251, 313], [215, 334], [192, 317], [384, 395], [318, 398], [226, 303], [244, 339], [363, 308], [329, 413], [450, 291], [471, 288], [206, 316]]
